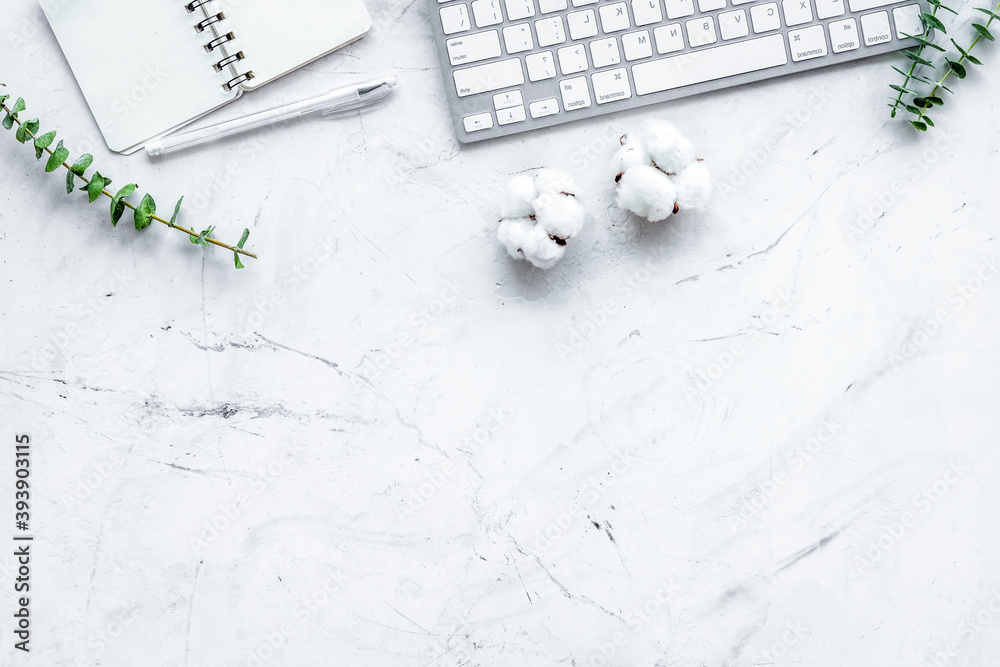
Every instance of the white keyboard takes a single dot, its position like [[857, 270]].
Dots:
[[517, 65]]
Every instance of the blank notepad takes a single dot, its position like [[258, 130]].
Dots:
[[177, 60]]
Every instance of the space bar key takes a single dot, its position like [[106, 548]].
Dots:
[[709, 64]]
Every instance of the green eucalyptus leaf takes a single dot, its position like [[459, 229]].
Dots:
[[82, 163], [983, 31], [915, 57], [118, 203], [205, 233], [236, 256], [901, 89], [42, 142], [923, 41], [927, 119], [26, 130], [96, 186], [243, 239], [989, 13], [957, 68], [70, 182], [919, 125], [58, 157], [177, 210], [912, 109], [934, 99], [932, 21], [144, 213]]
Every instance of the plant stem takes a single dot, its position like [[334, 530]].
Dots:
[[913, 66], [187, 231], [941, 81]]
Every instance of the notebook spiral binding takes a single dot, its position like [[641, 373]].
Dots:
[[229, 60]]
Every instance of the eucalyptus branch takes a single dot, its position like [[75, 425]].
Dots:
[[919, 105], [96, 185], [955, 66]]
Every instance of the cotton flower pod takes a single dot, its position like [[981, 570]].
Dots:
[[632, 154], [667, 147], [694, 186], [560, 215], [513, 233], [539, 249], [648, 192], [518, 197]]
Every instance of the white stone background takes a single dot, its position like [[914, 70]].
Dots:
[[577, 469]]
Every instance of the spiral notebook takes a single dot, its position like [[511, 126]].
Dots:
[[150, 67]]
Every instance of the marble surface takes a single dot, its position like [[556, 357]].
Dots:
[[762, 435]]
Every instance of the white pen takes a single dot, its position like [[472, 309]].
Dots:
[[350, 97]]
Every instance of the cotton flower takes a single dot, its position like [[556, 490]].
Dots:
[[658, 173], [539, 215]]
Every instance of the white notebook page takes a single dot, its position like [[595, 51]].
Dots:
[[141, 65], [278, 37]]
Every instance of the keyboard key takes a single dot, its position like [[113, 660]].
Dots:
[[765, 17], [615, 17], [807, 43], [512, 98], [479, 121], [540, 66], [797, 12], [489, 77], [582, 24], [511, 115], [572, 59], [547, 6], [581, 3], [741, 2], [637, 46], [710, 5], [611, 86], [875, 28], [862, 5], [575, 93], [668, 38], [844, 35], [701, 31], [473, 48], [646, 12], [487, 13], [679, 8], [543, 108], [733, 24], [827, 9], [455, 18], [907, 20], [709, 64], [550, 31], [517, 38], [604, 52], [519, 9]]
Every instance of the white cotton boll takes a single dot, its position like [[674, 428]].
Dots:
[[554, 182], [518, 197], [559, 215], [694, 186], [667, 146], [648, 192], [631, 154], [540, 250], [513, 233]]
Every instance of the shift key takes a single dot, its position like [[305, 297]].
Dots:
[[493, 76]]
